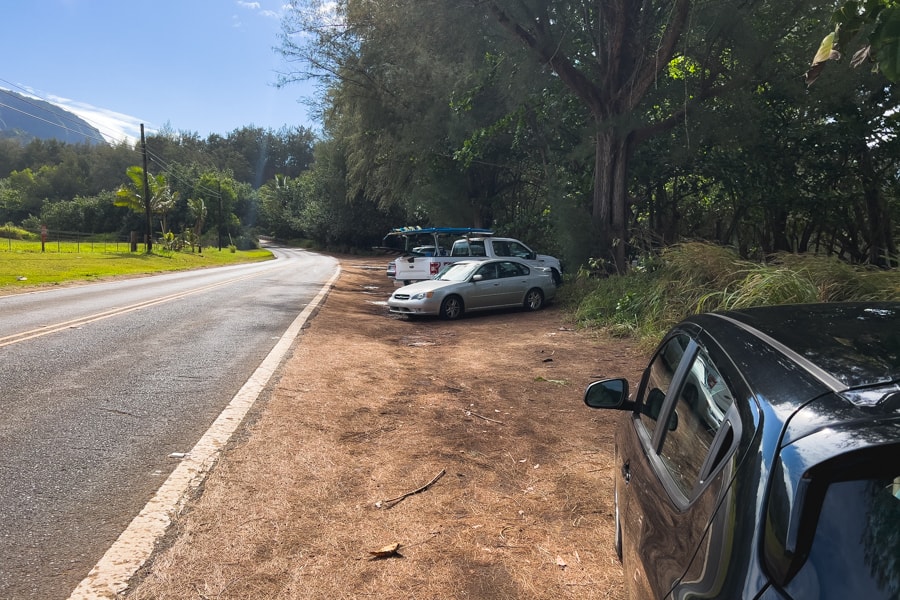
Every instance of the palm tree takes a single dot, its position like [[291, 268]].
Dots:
[[162, 198]]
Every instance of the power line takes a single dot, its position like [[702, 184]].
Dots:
[[27, 100], [167, 169], [60, 125]]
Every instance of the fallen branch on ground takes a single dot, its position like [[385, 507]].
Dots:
[[470, 413], [394, 501]]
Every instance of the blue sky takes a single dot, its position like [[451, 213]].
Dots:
[[202, 66]]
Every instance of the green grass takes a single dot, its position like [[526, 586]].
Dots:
[[23, 264], [696, 277]]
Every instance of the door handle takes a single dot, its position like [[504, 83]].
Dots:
[[626, 472]]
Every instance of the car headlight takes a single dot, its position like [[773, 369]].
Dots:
[[422, 295]]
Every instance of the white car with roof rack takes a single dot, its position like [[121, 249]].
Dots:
[[428, 250]]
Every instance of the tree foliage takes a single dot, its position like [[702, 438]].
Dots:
[[52, 183], [603, 129], [873, 26]]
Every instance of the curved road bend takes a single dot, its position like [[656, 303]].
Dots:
[[104, 387]]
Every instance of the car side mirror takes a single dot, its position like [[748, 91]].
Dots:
[[477, 277], [608, 393]]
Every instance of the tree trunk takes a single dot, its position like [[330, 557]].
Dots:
[[882, 251], [610, 205], [778, 220]]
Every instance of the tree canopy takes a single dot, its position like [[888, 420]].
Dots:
[[604, 128], [598, 131]]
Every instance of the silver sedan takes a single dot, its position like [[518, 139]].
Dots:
[[471, 285]]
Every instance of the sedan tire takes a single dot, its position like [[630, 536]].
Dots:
[[534, 299], [452, 308]]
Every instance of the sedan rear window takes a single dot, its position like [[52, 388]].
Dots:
[[855, 552]]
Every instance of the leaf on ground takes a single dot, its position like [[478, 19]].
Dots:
[[386, 551]]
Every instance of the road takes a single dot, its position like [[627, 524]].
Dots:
[[104, 386]]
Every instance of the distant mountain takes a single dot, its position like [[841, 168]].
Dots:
[[25, 119]]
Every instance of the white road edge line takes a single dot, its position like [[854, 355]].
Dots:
[[133, 548]]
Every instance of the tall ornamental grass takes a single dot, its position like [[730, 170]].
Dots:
[[697, 277]]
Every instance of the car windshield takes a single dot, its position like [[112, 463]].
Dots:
[[457, 271], [856, 548]]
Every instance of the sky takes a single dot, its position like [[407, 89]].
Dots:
[[198, 66]]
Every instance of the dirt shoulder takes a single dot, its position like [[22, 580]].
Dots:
[[371, 407]]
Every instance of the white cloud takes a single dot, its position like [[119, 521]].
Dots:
[[256, 6], [115, 127]]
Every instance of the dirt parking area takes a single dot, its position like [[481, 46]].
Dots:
[[466, 443]]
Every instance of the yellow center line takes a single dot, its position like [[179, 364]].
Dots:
[[48, 329]]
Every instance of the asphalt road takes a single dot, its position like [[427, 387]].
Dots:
[[100, 385]]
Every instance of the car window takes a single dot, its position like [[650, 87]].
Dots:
[[488, 271], [456, 271], [511, 269], [501, 248], [517, 249], [700, 409], [658, 379], [856, 548], [476, 248]]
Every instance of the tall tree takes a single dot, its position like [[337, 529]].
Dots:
[[614, 56], [427, 113], [162, 199]]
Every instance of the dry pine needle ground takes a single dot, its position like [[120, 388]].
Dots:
[[411, 459]]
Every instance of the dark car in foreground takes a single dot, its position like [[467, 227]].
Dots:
[[760, 456]]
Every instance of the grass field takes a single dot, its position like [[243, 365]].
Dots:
[[23, 264]]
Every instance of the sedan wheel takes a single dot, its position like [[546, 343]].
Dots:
[[534, 299], [451, 308]]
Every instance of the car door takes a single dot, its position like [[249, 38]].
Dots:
[[513, 280], [486, 291], [672, 461]]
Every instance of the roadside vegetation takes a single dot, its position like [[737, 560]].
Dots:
[[698, 277], [23, 264], [607, 134]]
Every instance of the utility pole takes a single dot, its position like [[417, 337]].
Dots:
[[147, 194], [220, 215]]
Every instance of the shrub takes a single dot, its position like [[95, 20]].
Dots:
[[697, 277]]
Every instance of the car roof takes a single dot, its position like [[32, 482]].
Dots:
[[856, 343], [489, 259], [794, 353]]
